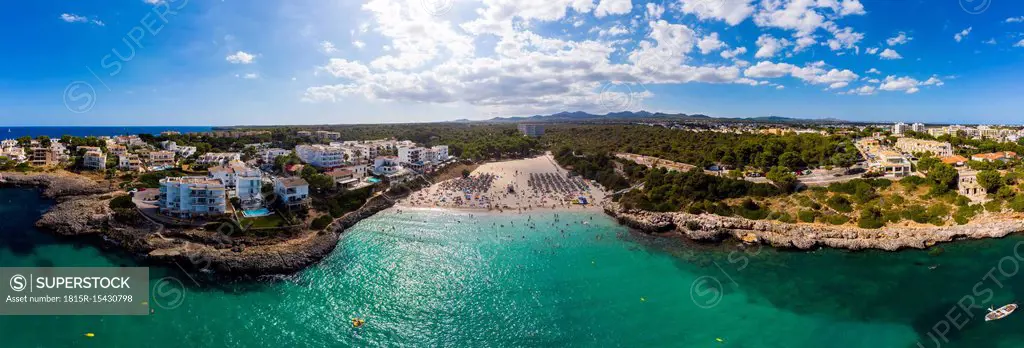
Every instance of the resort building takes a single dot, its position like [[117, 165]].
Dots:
[[15, 153], [956, 161], [531, 129], [900, 128], [918, 127], [117, 150], [890, 163], [185, 151], [303, 133], [129, 162], [94, 159], [292, 192], [161, 159], [321, 156], [328, 135], [386, 165], [937, 148], [218, 158], [343, 178], [419, 157], [192, 196], [269, 155], [8, 143], [1004, 156], [41, 156], [243, 181]]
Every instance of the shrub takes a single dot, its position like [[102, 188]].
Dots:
[[122, 202], [1017, 204], [807, 215], [837, 219], [321, 222], [870, 218], [785, 217], [994, 206], [840, 204]]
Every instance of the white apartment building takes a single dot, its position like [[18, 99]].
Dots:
[[891, 164], [269, 155], [94, 159], [117, 150], [218, 158], [7, 143], [532, 130], [410, 155], [328, 135], [185, 151], [900, 128], [419, 157], [321, 156], [386, 165], [918, 127], [192, 196], [160, 158], [246, 182], [938, 148], [292, 192], [129, 162]]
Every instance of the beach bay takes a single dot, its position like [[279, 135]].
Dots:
[[429, 277]]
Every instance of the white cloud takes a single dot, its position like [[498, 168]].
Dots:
[[733, 53], [907, 84], [1015, 19], [991, 41], [863, 90], [732, 12], [852, 7], [813, 73], [251, 76], [616, 30], [889, 54], [240, 57], [962, 34], [871, 50], [1019, 44], [73, 18], [358, 44], [769, 46], [873, 71], [613, 7], [710, 44], [900, 39], [327, 47], [654, 11]]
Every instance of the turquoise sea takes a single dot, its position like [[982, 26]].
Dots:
[[437, 278]]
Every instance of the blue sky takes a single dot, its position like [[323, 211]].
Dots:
[[212, 62]]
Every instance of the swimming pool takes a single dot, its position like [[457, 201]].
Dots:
[[373, 180], [256, 212]]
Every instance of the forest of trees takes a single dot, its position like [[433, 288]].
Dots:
[[703, 149]]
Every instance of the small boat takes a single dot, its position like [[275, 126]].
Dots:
[[357, 322], [1002, 312]]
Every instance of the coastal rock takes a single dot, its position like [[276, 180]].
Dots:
[[77, 216], [807, 236], [54, 185]]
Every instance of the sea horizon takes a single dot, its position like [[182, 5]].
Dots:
[[83, 131]]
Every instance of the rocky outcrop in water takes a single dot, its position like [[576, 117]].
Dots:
[[807, 236], [53, 185]]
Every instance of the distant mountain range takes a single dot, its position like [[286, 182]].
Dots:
[[579, 116]]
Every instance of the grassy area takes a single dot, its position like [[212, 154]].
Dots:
[[268, 221]]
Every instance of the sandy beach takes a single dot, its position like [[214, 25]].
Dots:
[[512, 186]]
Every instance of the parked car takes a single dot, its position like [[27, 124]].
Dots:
[[853, 171]]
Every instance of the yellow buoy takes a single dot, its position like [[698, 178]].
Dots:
[[719, 339], [643, 299], [90, 334], [356, 322]]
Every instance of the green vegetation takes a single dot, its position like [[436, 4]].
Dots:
[[321, 222], [671, 190], [705, 148]]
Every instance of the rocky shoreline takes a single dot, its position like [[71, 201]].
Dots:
[[83, 211], [714, 228]]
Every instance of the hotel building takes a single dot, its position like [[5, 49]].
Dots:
[[192, 196]]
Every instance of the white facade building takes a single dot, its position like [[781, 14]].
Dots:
[[292, 192], [94, 159], [192, 196], [321, 156]]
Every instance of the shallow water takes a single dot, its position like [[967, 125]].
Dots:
[[429, 278]]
